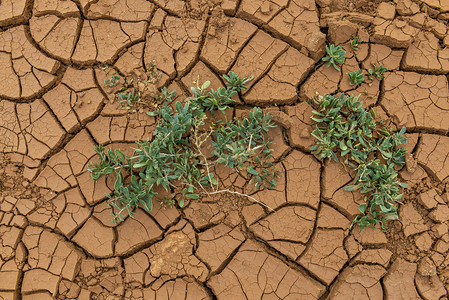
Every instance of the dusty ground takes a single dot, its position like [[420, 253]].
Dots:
[[56, 237]]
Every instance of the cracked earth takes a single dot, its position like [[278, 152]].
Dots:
[[56, 237]]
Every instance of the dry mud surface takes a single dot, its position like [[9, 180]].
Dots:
[[56, 238]]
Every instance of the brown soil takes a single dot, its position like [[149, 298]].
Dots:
[[56, 237], [368, 7]]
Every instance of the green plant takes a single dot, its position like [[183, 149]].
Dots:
[[237, 83], [174, 159], [212, 100], [355, 43], [377, 72], [356, 77], [153, 73], [335, 55], [127, 100], [115, 79], [346, 129]]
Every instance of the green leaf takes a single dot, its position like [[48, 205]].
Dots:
[[384, 209], [108, 170], [181, 203], [139, 165], [118, 182], [387, 154], [343, 145], [205, 85], [95, 175], [402, 184], [252, 171], [149, 202], [362, 208], [193, 196], [178, 106], [221, 160], [351, 188]]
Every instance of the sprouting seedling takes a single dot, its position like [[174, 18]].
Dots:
[[335, 55], [355, 43], [237, 82], [115, 79], [356, 77], [377, 72], [153, 72], [103, 67], [128, 100]]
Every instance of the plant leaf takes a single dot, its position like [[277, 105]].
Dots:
[[252, 171], [362, 208], [351, 188]]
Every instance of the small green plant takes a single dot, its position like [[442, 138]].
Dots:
[[174, 159], [335, 55], [127, 100], [356, 77], [377, 72], [355, 43], [233, 80], [115, 79], [347, 130], [212, 100], [153, 73]]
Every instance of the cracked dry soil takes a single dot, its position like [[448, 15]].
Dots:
[[56, 238]]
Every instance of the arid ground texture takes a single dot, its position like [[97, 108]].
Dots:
[[57, 240]]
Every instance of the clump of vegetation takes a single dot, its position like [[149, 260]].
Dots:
[[113, 81], [174, 158], [129, 99], [335, 56], [356, 77], [355, 43], [377, 72], [347, 130]]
